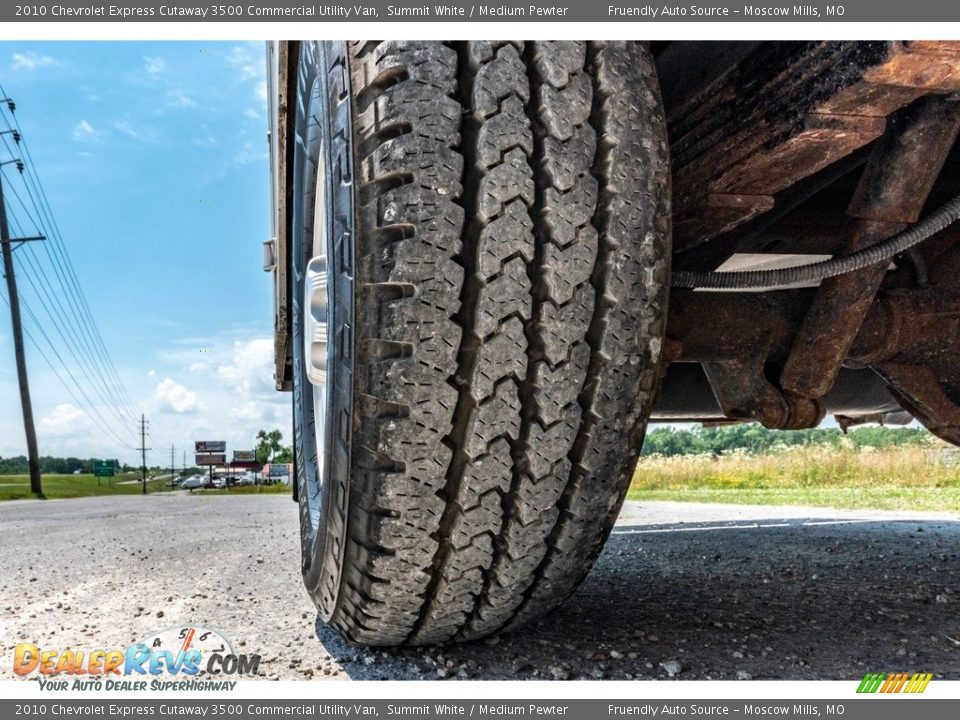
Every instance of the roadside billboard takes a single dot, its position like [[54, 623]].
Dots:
[[210, 446], [244, 456], [211, 459]]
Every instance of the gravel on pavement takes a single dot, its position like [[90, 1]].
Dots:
[[682, 590]]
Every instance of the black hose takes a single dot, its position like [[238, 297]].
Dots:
[[812, 272]]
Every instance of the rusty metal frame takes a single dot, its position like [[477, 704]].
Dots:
[[284, 95], [909, 336], [783, 113], [785, 123], [891, 193]]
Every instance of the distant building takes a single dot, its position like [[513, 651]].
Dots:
[[278, 472]]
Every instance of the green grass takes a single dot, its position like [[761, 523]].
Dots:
[[904, 478], [278, 489], [17, 487], [874, 498]]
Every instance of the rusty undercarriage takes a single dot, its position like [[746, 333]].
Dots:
[[785, 150]]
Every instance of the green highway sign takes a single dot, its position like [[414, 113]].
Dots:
[[103, 469]]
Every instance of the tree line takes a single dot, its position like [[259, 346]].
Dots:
[[269, 449], [17, 465], [659, 441], [755, 438]]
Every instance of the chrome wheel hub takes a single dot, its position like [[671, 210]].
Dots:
[[316, 337]]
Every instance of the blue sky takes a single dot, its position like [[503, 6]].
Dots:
[[154, 160]]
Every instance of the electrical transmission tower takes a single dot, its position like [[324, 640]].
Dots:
[[8, 247]]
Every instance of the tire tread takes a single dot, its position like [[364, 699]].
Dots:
[[512, 262]]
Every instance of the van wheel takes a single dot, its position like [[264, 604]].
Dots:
[[480, 261]]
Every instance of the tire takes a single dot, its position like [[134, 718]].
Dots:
[[496, 225]]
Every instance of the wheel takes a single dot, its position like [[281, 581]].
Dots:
[[483, 227]]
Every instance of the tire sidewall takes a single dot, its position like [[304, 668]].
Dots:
[[322, 163]]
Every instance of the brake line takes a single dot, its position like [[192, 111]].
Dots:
[[939, 219]]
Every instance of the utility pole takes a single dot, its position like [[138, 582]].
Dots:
[[173, 470], [143, 452], [6, 241]]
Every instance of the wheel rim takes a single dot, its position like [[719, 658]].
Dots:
[[315, 315], [323, 314], [315, 354]]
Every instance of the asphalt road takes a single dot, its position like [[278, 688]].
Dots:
[[682, 590]]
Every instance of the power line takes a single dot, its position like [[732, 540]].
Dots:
[[33, 458], [73, 299], [13, 292], [93, 407], [67, 310], [76, 335], [80, 403], [96, 380], [105, 398], [60, 260]]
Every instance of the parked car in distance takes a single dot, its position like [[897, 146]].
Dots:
[[190, 483]]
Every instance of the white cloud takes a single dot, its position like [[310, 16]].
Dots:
[[69, 430], [238, 393], [252, 114], [251, 152], [248, 65], [177, 98], [251, 368], [249, 377], [144, 133], [154, 66], [253, 410], [127, 129], [244, 64], [65, 420], [226, 393], [32, 61], [85, 132], [207, 141], [171, 396]]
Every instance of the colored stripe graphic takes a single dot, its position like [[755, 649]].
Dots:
[[889, 682], [870, 683], [923, 684], [900, 681], [894, 683]]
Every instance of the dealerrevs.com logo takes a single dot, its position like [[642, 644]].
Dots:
[[182, 652]]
